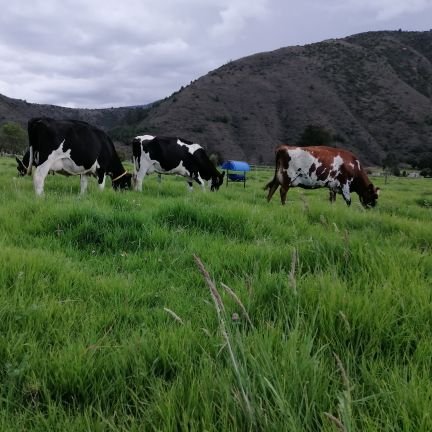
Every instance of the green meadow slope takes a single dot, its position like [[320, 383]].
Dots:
[[339, 300]]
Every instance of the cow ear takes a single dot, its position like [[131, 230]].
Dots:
[[377, 191]]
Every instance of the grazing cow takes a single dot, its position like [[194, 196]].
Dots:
[[73, 147], [172, 155], [315, 167]]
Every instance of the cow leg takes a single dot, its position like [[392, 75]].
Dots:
[[146, 166], [200, 181], [39, 177], [190, 185], [346, 193], [84, 183], [139, 182], [285, 185], [101, 181], [283, 193], [332, 196], [273, 185], [140, 175]]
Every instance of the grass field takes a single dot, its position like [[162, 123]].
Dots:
[[339, 300]]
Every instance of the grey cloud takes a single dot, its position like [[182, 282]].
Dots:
[[99, 53]]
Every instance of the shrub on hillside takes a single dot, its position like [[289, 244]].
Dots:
[[426, 172], [13, 138], [314, 135]]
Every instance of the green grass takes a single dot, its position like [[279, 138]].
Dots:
[[85, 342]]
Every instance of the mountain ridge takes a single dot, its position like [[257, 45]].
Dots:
[[357, 87], [372, 91]]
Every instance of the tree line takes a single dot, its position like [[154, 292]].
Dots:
[[14, 140]]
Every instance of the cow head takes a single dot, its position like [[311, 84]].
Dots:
[[370, 196], [22, 169], [217, 181], [122, 182]]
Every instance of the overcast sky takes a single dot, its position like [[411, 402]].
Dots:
[[103, 53]]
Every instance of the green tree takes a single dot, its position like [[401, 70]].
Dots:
[[390, 165], [13, 138], [124, 134], [314, 135], [425, 161], [390, 162]]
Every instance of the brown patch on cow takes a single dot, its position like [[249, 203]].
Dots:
[[285, 161]]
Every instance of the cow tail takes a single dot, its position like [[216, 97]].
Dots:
[[274, 180], [30, 163], [270, 183]]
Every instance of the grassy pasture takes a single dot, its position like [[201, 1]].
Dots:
[[340, 301]]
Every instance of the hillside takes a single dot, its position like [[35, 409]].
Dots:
[[371, 91], [20, 111], [115, 120]]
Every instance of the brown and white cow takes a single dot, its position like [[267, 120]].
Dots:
[[314, 167]]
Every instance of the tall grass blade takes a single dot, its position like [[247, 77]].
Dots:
[[222, 324], [239, 303]]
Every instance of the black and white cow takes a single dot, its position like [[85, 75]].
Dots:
[[173, 155], [73, 147]]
